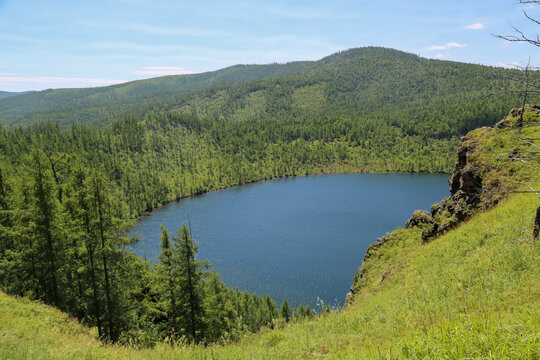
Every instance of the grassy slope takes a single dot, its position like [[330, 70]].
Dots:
[[472, 293]]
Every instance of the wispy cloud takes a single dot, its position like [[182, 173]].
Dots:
[[162, 70], [4, 78], [6, 74], [188, 32], [514, 65], [449, 45], [440, 56], [476, 26]]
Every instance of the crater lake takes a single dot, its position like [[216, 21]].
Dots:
[[298, 238]]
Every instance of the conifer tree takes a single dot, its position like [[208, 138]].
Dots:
[[285, 311], [81, 197], [308, 313], [189, 275], [166, 273], [45, 216]]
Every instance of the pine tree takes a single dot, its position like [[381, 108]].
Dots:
[[218, 312], [189, 275], [308, 313], [166, 274], [9, 260], [285, 311], [82, 206], [45, 215]]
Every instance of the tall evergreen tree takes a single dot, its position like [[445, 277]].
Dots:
[[45, 216], [189, 274], [81, 197], [166, 272], [285, 311]]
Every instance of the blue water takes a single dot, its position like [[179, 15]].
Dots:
[[296, 238]]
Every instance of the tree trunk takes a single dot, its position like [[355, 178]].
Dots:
[[536, 229]]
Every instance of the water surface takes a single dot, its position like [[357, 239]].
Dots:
[[296, 238]]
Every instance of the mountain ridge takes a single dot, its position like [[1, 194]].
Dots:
[[358, 70]]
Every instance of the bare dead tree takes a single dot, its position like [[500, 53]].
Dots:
[[529, 157], [520, 36]]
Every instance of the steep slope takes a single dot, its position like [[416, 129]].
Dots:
[[471, 292]]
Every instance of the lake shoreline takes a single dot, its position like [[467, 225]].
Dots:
[[157, 208], [297, 238]]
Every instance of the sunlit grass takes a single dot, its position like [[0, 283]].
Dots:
[[472, 293]]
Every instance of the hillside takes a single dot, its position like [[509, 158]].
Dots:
[[470, 291], [361, 110], [99, 105], [374, 84], [6, 94]]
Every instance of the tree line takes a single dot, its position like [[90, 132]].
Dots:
[[62, 241]]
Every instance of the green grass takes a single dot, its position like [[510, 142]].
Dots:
[[471, 294]]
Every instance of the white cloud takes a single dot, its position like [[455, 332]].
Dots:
[[449, 45], [162, 70], [440, 56], [188, 32], [514, 65], [476, 26]]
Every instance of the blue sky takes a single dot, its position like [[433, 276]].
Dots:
[[53, 44]]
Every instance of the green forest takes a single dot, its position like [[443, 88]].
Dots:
[[78, 167], [62, 242]]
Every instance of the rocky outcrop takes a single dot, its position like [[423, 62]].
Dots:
[[419, 218], [465, 193], [473, 186]]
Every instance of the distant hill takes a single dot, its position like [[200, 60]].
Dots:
[[98, 105], [354, 82], [6, 94]]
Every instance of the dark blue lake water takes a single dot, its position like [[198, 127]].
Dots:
[[297, 238]]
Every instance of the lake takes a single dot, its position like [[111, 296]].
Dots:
[[296, 238]]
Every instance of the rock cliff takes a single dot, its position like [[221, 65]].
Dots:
[[475, 184]]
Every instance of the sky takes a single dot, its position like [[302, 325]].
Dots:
[[56, 44]]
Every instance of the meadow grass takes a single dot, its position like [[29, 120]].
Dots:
[[471, 294]]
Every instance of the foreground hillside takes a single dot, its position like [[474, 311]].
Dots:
[[470, 293]]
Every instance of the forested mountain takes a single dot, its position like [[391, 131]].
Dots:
[[6, 94], [93, 160], [98, 106], [367, 109], [377, 82]]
